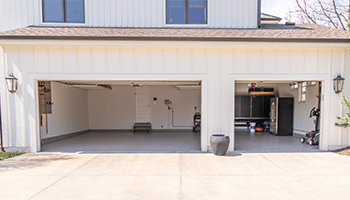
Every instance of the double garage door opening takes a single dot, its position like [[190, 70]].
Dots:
[[100, 116]]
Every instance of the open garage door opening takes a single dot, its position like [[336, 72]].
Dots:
[[278, 116], [119, 116]]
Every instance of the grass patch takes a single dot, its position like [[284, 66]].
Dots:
[[7, 155]]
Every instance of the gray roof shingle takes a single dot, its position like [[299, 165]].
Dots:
[[301, 32]]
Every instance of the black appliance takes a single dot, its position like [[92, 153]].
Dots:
[[281, 116]]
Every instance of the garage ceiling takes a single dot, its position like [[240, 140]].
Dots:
[[106, 85], [129, 82]]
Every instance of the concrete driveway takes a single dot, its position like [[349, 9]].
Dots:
[[175, 176]]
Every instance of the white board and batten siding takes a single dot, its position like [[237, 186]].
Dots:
[[131, 13], [154, 60], [219, 67]]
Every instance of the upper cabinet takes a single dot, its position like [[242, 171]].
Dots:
[[131, 13]]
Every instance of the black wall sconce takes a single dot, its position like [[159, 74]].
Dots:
[[12, 83], [338, 84]]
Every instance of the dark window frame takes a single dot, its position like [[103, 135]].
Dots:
[[187, 14], [64, 14]]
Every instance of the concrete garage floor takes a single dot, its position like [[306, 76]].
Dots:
[[260, 142], [253, 176], [118, 141]]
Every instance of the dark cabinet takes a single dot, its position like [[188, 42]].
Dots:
[[252, 107]]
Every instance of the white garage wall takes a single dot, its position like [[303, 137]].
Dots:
[[112, 109], [69, 111], [217, 64], [115, 109], [302, 121], [183, 101]]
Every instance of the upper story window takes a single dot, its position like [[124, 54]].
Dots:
[[63, 11], [186, 12]]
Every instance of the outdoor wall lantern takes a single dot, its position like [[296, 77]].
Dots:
[[12, 84], [338, 84]]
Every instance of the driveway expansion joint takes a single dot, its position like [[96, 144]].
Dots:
[[63, 177]]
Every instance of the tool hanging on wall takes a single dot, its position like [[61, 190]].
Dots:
[[45, 105]]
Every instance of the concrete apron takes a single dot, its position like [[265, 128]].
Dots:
[[175, 176]]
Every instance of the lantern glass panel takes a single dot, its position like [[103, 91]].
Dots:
[[11, 84]]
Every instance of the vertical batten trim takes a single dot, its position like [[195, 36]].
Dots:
[[149, 61], [303, 60], [341, 132], [233, 60], [23, 92], [134, 50], [79, 60], [317, 61], [6, 109], [329, 61], [135, 55], [177, 60], [275, 61], [163, 61], [107, 60], [262, 62], [35, 63], [206, 61], [220, 82], [289, 61], [191, 61], [248, 61]]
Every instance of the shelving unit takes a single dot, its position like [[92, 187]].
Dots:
[[249, 108]]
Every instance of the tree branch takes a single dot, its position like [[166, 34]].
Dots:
[[326, 15], [337, 14]]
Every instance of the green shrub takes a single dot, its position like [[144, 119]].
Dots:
[[344, 121]]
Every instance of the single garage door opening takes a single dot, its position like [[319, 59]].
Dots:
[[120, 116], [274, 116]]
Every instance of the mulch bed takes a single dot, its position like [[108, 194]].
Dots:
[[344, 151]]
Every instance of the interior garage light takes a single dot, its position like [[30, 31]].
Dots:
[[136, 85]]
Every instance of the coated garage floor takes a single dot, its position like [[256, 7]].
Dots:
[[118, 141], [178, 142], [258, 142], [248, 176]]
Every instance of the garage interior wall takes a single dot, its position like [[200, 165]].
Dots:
[[302, 121], [69, 111], [77, 110], [115, 109]]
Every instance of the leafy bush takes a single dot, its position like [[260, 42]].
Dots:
[[345, 121]]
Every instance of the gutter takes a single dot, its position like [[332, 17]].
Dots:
[[2, 144], [179, 39], [259, 13]]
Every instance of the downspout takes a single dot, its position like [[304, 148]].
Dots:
[[2, 144], [259, 13]]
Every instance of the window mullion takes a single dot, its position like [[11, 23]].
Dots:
[[64, 11], [186, 11]]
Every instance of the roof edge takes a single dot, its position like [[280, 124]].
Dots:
[[189, 39]]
